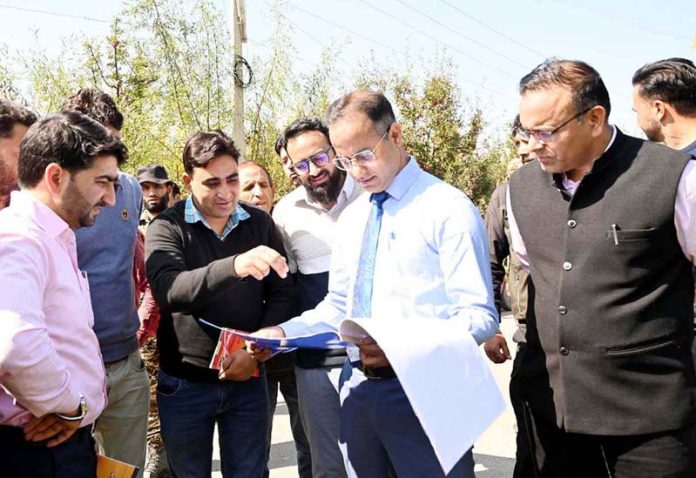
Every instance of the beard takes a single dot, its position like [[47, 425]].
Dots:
[[159, 206], [653, 132], [8, 183], [77, 206], [328, 192]]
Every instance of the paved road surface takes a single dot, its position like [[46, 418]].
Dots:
[[494, 451]]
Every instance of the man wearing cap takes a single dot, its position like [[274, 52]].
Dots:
[[156, 186]]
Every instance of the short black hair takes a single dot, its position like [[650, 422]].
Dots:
[[581, 79], [71, 140], [672, 80], [12, 114], [97, 105], [280, 144], [374, 105], [302, 125], [176, 190], [204, 146], [516, 125]]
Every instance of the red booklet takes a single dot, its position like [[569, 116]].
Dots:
[[228, 343]]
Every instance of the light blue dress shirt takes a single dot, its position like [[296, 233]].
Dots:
[[432, 259], [192, 215]]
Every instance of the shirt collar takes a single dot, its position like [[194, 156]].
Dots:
[[568, 184], [613, 137], [146, 218], [24, 203], [192, 215], [691, 148], [404, 179]]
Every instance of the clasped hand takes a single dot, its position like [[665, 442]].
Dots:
[[50, 427], [371, 354], [239, 366]]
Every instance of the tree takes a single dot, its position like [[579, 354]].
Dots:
[[167, 65]]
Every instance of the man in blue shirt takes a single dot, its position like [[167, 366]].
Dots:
[[105, 252], [430, 261]]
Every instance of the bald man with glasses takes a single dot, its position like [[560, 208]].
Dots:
[[605, 224], [414, 247]]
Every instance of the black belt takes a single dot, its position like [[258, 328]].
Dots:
[[376, 373], [112, 362]]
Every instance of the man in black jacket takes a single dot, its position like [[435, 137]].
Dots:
[[606, 224], [211, 258]]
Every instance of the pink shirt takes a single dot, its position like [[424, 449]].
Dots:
[[48, 351]]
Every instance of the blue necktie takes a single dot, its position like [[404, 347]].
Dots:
[[362, 292]]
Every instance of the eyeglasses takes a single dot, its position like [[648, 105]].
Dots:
[[361, 158], [319, 159], [547, 136]]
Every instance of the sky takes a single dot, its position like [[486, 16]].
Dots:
[[491, 44]]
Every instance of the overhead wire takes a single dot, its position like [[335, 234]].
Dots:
[[488, 27], [297, 57], [56, 14], [370, 40], [352, 32], [309, 35], [405, 54], [459, 33]]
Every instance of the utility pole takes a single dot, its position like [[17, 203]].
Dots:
[[239, 36]]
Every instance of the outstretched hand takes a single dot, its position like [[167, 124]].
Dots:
[[259, 261]]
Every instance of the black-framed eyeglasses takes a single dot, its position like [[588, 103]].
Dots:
[[318, 159], [546, 136], [361, 157]]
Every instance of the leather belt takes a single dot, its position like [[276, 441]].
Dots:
[[376, 373]]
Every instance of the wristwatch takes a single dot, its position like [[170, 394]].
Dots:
[[81, 416]]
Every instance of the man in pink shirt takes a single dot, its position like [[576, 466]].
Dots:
[[52, 380]]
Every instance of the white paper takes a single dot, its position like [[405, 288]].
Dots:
[[444, 375]]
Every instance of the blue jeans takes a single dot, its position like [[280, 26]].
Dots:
[[381, 435], [188, 414]]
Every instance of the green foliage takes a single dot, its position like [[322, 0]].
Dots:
[[446, 140], [167, 65]]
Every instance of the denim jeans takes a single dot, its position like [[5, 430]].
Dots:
[[189, 412]]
